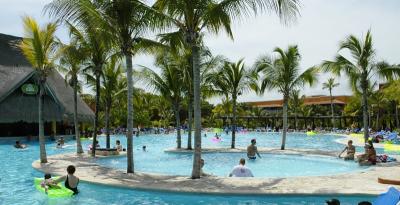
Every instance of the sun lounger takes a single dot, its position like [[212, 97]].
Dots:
[[391, 197]]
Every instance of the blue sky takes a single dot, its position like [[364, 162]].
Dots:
[[318, 31]]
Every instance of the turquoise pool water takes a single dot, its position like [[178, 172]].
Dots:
[[16, 181], [220, 164]]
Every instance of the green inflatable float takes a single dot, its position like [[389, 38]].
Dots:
[[54, 193], [311, 133]]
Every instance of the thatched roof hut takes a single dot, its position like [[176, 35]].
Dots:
[[17, 105]]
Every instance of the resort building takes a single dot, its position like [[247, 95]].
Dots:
[[19, 101], [323, 100], [320, 117]]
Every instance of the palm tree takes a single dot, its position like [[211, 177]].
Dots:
[[40, 49], [360, 67], [124, 22], [96, 47], [127, 22], [378, 100], [192, 18], [295, 103], [392, 93], [112, 76], [169, 84], [89, 32], [283, 73], [330, 84], [232, 79], [71, 65]]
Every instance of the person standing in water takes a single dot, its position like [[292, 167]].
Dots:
[[252, 150], [70, 180], [351, 150], [241, 170]]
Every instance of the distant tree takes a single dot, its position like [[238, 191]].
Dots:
[[111, 92], [283, 73], [361, 67], [71, 64], [392, 93], [330, 84], [169, 83], [295, 103], [233, 79]]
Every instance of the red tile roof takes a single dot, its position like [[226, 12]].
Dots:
[[311, 100]]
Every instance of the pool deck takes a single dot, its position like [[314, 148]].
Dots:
[[361, 182]]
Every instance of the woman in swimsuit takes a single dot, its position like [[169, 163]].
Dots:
[[70, 180]]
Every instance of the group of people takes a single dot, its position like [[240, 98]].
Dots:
[[368, 158], [118, 146], [240, 170], [337, 202], [70, 181]]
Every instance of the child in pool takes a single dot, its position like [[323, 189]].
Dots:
[[48, 182]]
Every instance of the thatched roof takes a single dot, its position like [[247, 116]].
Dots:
[[16, 106]]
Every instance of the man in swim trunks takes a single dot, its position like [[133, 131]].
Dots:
[[241, 170], [351, 150], [252, 150]]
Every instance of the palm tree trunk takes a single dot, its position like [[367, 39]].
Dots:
[[79, 149], [197, 111], [42, 139], [332, 114], [295, 120], [285, 121], [108, 107], [190, 120], [178, 126], [96, 113], [233, 122], [396, 113], [365, 108], [129, 134], [377, 120]]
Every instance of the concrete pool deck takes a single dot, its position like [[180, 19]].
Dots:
[[360, 182]]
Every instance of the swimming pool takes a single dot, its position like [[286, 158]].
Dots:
[[220, 164], [16, 181]]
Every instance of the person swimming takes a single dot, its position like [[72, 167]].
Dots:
[[118, 146], [252, 150], [18, 145], [144, 148], [61, 141]]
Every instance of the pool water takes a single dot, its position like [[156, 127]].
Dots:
[[16, 179], [220, 164]]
